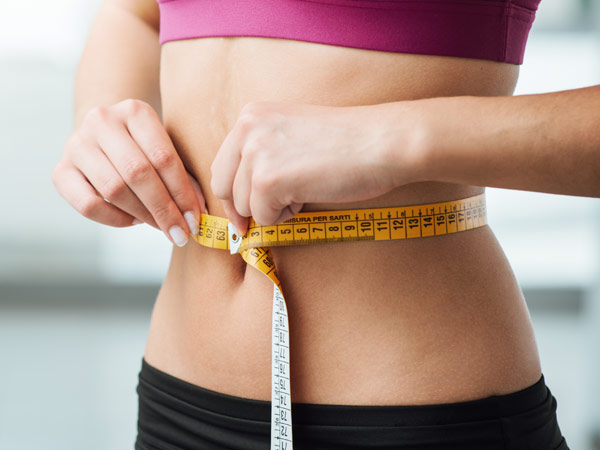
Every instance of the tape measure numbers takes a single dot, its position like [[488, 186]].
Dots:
[[375, 224]]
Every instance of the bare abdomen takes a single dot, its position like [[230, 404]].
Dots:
[[403, 322]]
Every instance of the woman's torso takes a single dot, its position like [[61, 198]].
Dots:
[[402, 322]]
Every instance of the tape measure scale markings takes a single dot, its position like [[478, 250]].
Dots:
[[375, 224]]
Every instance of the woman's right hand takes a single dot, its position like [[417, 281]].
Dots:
[[121, 168]]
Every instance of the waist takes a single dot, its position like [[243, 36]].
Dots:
[[382, 313], [198, 259]]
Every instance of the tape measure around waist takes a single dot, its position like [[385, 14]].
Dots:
[[375, 224]]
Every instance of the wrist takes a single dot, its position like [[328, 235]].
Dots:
[[436, 136], [409, 140]]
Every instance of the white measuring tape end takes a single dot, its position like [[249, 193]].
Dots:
[[235, 239]]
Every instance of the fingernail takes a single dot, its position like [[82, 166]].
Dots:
[[178, 236], [192, 222], [136, 221]]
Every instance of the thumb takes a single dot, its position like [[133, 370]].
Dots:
[[239, 222]]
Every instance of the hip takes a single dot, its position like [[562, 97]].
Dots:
[[174, 414]]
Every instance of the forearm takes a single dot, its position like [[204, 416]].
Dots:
[[120, 59], [544, 142]]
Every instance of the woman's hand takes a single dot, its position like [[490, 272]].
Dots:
[[279, 156], [120, 168]]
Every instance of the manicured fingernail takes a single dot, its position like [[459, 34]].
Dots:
[[192, 222], [178, 236], [136, 221]]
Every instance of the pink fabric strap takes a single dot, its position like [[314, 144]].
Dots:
[[482, 29]]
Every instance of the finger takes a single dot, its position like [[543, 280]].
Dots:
[[139, 174], [108, 183], [199, 195], [289, 212], [264, 211], [225, 165], [238, 221], [267, 209], [148, 132], [241, 189], [77, 191]]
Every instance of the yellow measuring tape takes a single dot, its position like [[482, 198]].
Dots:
[[375, 224]]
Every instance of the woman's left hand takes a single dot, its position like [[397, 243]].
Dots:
[[279, 156]]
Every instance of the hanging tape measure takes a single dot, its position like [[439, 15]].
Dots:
[[374, 224]]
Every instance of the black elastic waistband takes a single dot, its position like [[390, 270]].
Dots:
[[157, 382]]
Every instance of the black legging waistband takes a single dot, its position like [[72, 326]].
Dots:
[[321, 414], [174, 414]]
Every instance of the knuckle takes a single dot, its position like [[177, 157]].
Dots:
[[255, 148], [95, 115], [74, 141], [136, 171], [162, 159], [245, 122], [249, 152], [250, 114], [56, 174], [113, 189], [77, 144], [182, 197], [218, 188], [252, 108], [162, 213], [88, 206], [133, 106], [264, 182]]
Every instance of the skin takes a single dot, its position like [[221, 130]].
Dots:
[[263, 127], [448, 309], [267, 168]]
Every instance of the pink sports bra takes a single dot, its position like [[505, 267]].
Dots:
[[496, 30]]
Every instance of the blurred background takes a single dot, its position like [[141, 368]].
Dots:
[[76, 297]]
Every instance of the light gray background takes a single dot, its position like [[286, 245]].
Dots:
[[75, 297]]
